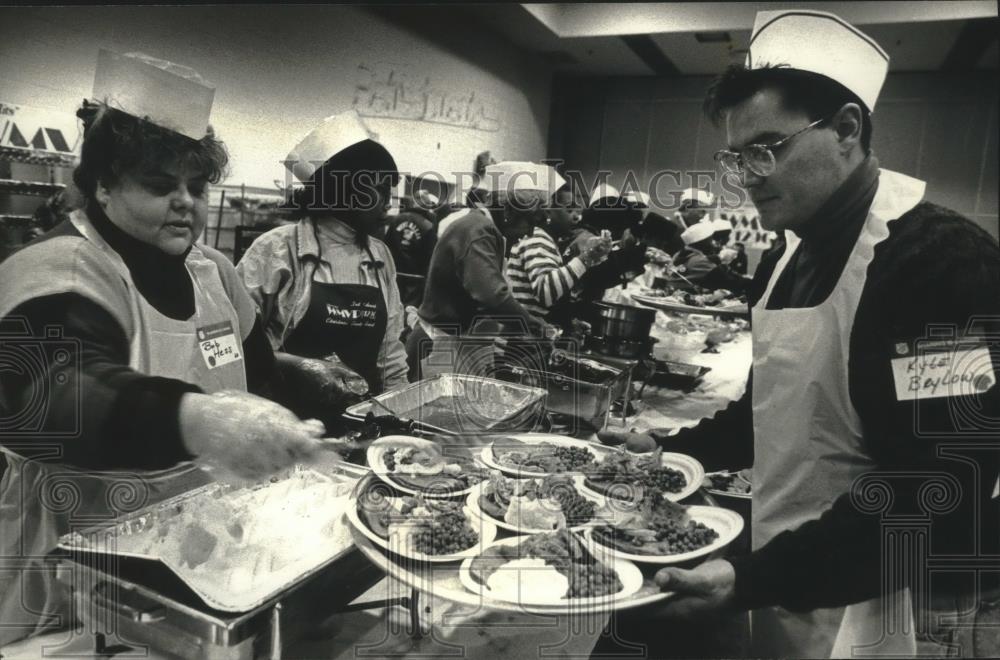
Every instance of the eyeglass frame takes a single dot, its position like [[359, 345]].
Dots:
[[769, 147]]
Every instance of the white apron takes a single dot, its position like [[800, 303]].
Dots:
[[808, 441], [39, 502]]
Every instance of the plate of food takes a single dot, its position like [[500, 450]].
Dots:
[[540, 455], [418, 528], [717, 303], [730, 484], [556, 569], [422, 467], [623, 475], [663, 532], [538, 505]]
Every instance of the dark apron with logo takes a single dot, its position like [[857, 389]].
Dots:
[[347, 319]]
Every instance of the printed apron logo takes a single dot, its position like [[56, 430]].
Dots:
[[355, 314]]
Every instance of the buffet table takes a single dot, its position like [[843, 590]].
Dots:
[[665, 408]]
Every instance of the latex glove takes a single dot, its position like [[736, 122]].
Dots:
[[658, 256], [245, 434], [595, 250], [707, 589]]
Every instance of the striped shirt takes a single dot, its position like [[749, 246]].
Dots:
[[537, 274]]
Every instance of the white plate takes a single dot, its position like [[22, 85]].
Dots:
[[473, 503], [629, 574], [484, 527], [377, 449], [728, 524], [727, 493], [740, 310], [536, 439], [691, 468]]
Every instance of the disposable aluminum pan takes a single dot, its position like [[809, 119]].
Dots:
[[239, 562], [455, 404]]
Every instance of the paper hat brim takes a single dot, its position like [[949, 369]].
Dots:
[[333, 135], [722, 225], [697, 232], [820, 43], [604, 191], [515, 176], [637, 197], [169, 95], [700, 197]]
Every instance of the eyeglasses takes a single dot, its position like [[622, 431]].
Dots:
[[758, 158]]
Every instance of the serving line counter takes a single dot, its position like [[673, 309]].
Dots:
[[728, 363]]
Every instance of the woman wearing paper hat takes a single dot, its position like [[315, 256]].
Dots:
[[847, 439], [694, 206], [699, 261], [325, 286], [145, 337]]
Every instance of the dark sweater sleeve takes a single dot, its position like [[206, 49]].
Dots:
[[938, 276], [721, 442], [484, 280], [100, 414]]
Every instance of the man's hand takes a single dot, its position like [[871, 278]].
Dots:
[[704, 590], [245, 434]]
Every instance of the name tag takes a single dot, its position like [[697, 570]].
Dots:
[[218, 344], [946, 368]]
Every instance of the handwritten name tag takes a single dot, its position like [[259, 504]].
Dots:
[[218, 344], [942, 369]]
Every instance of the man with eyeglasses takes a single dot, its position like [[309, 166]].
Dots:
[[862, 426]]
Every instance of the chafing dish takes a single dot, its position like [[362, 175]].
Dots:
[[454, 404]]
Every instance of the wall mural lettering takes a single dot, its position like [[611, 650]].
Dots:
[[392, 92]]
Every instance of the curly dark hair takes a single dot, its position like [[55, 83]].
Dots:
[[116, 144], [818, 96]]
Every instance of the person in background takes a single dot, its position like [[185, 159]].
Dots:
[[609, 212], [411, 236], [467, 298], [157, 340], [324, 286], [655, 230], [699, 261], [876, 299], [54, 210], [535, 269], [695, 207], [739, 263]]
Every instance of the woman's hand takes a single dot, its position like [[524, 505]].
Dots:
[[245, 434], [595, 250]]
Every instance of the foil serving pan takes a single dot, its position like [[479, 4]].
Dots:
[[238, 566], [454, 404]]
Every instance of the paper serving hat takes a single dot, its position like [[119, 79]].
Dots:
[[700, 197], [697, 232], [334, 135], [169, 95], [604, 191], [637, 197], [512, 176], [722, 225], [820, 43]]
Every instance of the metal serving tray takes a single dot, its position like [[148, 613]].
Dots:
[[473, 403], [220, 587]]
